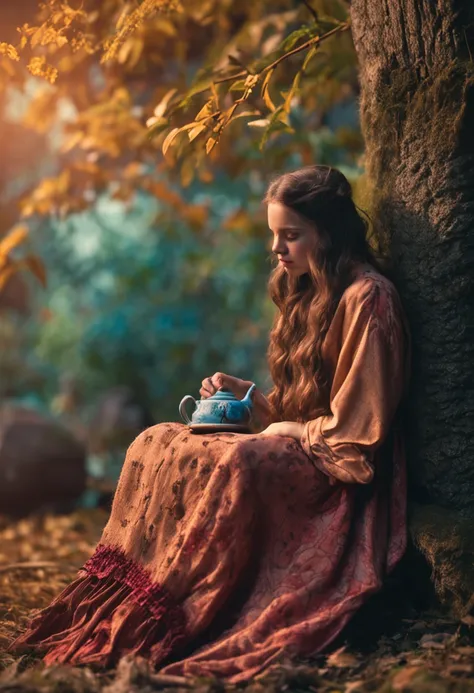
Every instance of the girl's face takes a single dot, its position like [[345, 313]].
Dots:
[[294, 237]]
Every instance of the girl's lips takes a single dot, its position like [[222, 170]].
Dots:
[[286, 262]]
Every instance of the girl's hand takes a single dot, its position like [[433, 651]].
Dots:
[[292, 429], [237, 386]]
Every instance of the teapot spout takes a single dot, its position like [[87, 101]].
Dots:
[[247, 400]]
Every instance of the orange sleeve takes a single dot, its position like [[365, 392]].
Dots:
[[367, 387]]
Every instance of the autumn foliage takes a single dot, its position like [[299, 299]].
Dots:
[[147, 94]]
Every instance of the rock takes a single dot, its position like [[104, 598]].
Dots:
[[42, 465], [118, 418], [446, 541]]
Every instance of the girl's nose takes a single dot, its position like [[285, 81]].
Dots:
[[278, 249]]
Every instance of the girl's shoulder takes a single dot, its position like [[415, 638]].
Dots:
[[368, 287], [372, 299]]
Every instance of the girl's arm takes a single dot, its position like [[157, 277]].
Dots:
[[368, 384], [290, 429]]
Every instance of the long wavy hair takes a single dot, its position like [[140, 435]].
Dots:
[[307, 303]]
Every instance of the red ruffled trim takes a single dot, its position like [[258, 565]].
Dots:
[[109, 561], [157, 629]]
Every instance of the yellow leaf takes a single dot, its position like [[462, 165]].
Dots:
[[45, 35], [236, 220], [188, 171], [162, 106], [133, 169], [215, 95], [155, 121], [131, 21], [309, 56], [205, 111], [251, 81], [27, 209], [124, 51], [6, 274], [40, 68], [37, 268], [173, 134], [41, 111], [239, 85], [164, 194], [9, 50], [206, 176], [169, 140], [73, 140], [13, 240], [243, 114], [192, 134], [121, 96], [210, 144], [265, 90], [261, 123], [137, 52], [122, 18], [7, 68], [165, 26], [293, 90], [196, 215]]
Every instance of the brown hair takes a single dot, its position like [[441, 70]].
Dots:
[[307, 303]]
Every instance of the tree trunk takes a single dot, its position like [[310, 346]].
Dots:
[[417, 113]]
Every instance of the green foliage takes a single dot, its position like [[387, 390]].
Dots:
[[162, 138], [157, 309]]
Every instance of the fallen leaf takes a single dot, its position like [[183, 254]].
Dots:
[[129, 670], [354, 687], [342, 659], [402, 681], [454, 669], [9, 673], [466, 650], [388, 662], [436, 641], [433, 645], [419, 625]]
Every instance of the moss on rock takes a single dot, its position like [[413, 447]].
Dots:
[[446, 541]]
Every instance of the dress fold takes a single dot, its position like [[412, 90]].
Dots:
[[112, 608]]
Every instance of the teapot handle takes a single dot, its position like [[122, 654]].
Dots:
[[182, 408]]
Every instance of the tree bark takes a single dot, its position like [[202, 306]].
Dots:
[[417, 114]]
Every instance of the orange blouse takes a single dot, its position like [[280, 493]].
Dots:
[[367, 349]]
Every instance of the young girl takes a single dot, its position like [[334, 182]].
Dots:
[[226, 552]]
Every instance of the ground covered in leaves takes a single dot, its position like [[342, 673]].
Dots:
[[407, 651]]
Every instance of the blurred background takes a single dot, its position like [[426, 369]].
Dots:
[[138, 274]]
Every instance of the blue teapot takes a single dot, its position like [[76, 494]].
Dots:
[[221, 408]]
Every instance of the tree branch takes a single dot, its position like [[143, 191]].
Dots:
[[316, 39], [34, 565], [311, 9]]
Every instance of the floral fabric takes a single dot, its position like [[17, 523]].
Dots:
[[225, 552]]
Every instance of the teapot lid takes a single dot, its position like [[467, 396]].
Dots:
[[224, 396]]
